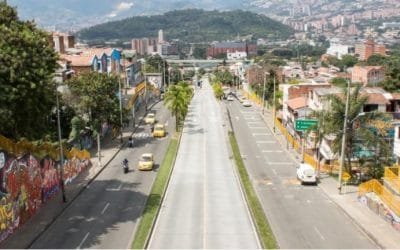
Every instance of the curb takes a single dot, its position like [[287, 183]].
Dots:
[[146, 245], [355, 222], [86, 185], [241, 186]]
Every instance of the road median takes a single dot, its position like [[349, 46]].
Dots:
[[156, 195], [263, 228]]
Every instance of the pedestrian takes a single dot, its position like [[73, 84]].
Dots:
[[130, 142], [152, 128]]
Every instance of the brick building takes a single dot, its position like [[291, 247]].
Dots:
[[367, 48], [144, 46], [367, 74], [224, 47]]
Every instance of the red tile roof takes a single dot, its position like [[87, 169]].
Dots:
[[297, 103]]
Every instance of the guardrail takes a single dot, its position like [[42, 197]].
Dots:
[[392, 177], [391, 200]]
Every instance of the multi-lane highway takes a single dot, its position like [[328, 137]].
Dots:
[[300, 216], [204, 206], [105, 215]]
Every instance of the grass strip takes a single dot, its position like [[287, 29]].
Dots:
[[155, 197], [262, 226]]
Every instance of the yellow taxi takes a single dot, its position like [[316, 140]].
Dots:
[[146, 162], [150, 118], [159, 130]]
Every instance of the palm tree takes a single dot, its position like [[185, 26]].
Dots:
[[365, 132], [177, 100]]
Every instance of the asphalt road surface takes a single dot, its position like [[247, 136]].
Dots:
[[105, 215], [300, 216], [204, 206]]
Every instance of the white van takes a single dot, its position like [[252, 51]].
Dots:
[[306, 173]]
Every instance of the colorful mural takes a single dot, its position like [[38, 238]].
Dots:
[[27, 182]]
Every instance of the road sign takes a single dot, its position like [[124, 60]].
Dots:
[[346, 176], [304, 124]]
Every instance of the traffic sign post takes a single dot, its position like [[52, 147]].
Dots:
[[304, 124]]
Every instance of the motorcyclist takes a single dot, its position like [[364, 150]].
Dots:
[[125, 165], [130, 142]]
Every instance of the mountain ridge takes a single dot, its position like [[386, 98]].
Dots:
[[191, 25]]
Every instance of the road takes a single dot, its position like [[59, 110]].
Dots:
[[105, 215], [204, 207], [300, 216]]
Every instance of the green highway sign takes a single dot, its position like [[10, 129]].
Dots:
[[304, 124]]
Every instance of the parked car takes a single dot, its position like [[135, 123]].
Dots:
[[146, 162], [306, 174], [246, 103], [150, 118], [230, 98], [242, 99], [159, 130]]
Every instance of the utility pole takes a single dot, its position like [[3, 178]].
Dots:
[[120, 105], [164, 81], [274, 100], [263, 93], [344, 137], [64, 198], [99, 148]]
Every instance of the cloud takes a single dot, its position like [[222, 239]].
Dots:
[[122, 6]]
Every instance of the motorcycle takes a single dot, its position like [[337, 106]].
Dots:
[[125, 166]]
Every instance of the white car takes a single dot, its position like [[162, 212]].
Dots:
[[246, 103], [306, 174], [230, 98]]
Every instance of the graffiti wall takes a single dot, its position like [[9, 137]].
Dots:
[[26, 183]]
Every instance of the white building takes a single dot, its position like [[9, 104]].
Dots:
[[338, 49], [237, 55]]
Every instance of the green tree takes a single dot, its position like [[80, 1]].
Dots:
[[376, 60], [348, 61], [27, 65], [177, 100], [360, 130], [94, 97], [339, 82], [218, 91]]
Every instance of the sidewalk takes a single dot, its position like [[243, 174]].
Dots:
[[373, 225], [32, 229]]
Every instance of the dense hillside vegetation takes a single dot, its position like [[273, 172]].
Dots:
[[191, 25]]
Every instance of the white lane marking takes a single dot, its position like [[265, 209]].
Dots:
[[257, 127], [274, 171], [205, 212], [105, 208], [258, 134], [237, 118], [272, 151], [319, 233], [115, 189], [265, 142], [166, 124], [280, 163], [83, 241], [254, 122]]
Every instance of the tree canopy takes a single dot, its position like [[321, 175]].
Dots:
[[191, 25], [27, 65], [94, 96]]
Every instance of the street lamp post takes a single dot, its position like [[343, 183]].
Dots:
[[344, 137], [64, 198], [263, 93], [274, 100], [120, 105]]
